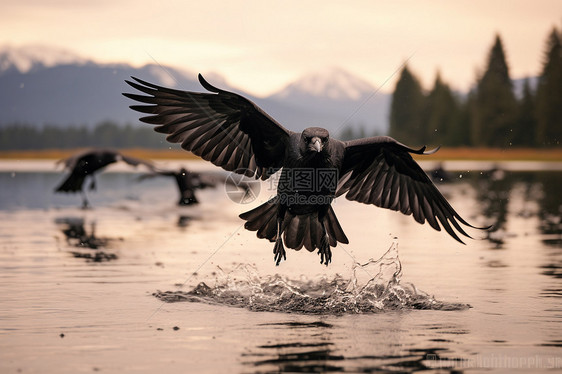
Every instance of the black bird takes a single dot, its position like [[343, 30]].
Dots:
[[86, 164], [235, 134], [189, 181]]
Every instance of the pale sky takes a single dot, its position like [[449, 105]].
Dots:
[[260, 46]]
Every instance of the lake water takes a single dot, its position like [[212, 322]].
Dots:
[[138, 284]]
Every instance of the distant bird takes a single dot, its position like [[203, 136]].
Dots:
[[188, 182], [235, 134], [86, 164]]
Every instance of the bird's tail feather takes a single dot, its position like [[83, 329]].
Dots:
[[334, 228], [262, 219], [298, 230]]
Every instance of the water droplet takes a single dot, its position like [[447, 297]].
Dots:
[[372, 287]]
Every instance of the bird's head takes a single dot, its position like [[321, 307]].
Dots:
[[314, 140]]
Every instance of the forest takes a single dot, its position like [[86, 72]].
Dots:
[[106, 134], [490, 115]]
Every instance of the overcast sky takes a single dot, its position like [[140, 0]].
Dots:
[[260, 46]]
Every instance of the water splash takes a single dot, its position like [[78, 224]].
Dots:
[[372, 287]]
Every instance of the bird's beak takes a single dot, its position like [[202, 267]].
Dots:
[[316, 144]]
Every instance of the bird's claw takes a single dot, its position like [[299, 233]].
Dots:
[[325, 252], [279, 251]]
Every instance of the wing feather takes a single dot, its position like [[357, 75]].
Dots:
[[222, 127], [381, 171]]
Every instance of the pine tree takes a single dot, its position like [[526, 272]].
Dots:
[[406, 110], [526, 127], [461, 135], [549, 95], [495, 104], [441, 114]]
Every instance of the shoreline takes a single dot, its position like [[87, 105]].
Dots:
[[444, 154]]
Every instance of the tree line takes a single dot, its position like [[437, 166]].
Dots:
[[106, 134], [490, 115]]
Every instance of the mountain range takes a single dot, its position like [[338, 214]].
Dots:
[[41, 85]]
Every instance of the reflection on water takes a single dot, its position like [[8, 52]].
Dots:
[[77, 236], [540, 197], [550, 212], [183, 220], [240, 313], [494, 193], [319, 353], [313, 356]]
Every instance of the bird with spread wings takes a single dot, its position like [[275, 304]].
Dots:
[[86, 164], [234, 133], [187, 182]]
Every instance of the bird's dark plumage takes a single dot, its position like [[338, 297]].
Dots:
[[188, 182], [235, 134], [224, 128], [86, 164]]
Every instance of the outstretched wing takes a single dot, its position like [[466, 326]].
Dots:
[[70, 162], [134, 161], [221, 127], [382, 172]]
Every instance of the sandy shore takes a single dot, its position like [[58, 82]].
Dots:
[[476, 154]]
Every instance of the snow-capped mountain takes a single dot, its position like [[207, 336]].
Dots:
[[344, 100], [27, 58], [332, 83], [41, 85]]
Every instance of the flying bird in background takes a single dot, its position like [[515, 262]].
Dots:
[[234, 133], [188, 182], [86, 164]]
